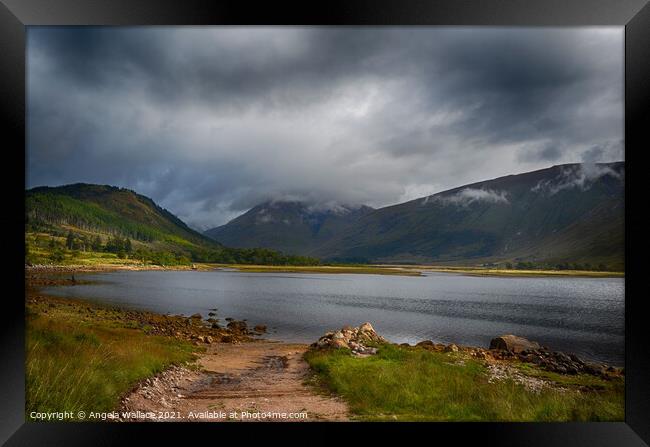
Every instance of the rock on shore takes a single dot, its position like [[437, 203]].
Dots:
[[512, 347], [363, 341], [356, 339], [513, 343]]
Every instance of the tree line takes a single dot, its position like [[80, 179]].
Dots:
[[123, 247], [529, 265]]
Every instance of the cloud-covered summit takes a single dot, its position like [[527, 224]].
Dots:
[[581, 176], [210, 121], [468, 196]]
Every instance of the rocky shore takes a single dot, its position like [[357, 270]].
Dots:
[[194, 328], [364, 341]]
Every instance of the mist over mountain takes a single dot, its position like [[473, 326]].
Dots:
[[288, 226], [566, 213]]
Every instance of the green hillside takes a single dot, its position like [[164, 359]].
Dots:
[[556, 216], [66, 223], [564, 217], [107, 209]]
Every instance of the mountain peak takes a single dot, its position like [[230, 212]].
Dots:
[[290, 226]]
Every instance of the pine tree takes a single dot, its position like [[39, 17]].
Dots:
[[97, 244]]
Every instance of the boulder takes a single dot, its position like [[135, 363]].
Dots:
[[595, 369], [197, 316], [238, 326], [338, 335], [572, 370], [512, 343], [367, 332], [353, 338], [483, 355], [509, 347], [451, 348], [366, 327], [260, 328]]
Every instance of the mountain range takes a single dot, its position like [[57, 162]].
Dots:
[[572, 213]]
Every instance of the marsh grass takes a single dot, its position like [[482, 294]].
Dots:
[[73, 365], [415, 384]]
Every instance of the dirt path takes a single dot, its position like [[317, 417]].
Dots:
[[248, 382]]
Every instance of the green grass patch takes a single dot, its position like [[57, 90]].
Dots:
[[414, 384], [77, 364], [578, 380]]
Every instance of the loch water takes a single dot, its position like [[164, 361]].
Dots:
[[584, 316]]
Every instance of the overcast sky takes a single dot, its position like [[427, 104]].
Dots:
[[210, 121]]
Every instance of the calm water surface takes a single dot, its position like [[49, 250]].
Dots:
[[580, 315]]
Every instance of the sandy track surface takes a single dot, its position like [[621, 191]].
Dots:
[[256, 381]]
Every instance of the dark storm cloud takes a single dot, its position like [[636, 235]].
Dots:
[[548, 152], [210, 121], [609, 150]]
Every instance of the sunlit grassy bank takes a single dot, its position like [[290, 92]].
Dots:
[[414, 384], [363, 269], [487, 271], [84, 357], [417, 270]]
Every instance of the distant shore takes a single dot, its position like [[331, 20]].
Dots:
[[379, 269], [419, 270], [488, 271]]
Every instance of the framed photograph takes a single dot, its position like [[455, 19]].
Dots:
[[380, 216]]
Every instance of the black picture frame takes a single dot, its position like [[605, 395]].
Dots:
[[15, 15]]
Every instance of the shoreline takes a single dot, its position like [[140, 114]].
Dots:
[[487, 271], [35, 284], [379, 269], [40, 277]]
